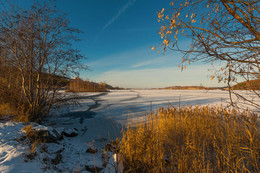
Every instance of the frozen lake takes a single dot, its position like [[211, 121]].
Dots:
[[126, 106], [101, 113]]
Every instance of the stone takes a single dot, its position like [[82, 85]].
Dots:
[[70, 133], [90, 150], [109, 147], [92, 168], [46, 134], [57, 159], [112, 147]]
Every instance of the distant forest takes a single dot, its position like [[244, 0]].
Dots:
[[79, 85]]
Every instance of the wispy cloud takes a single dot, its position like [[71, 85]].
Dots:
[[121, 11], [159, 77], [126, 58], [154, 61]]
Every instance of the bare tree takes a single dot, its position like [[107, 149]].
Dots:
[[217, 30], [38, 44]]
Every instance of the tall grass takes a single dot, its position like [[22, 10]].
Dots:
[[193, 139]]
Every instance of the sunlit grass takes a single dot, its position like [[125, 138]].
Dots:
[[193, 139]]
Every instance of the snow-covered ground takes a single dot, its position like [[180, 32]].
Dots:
[[98, 120]]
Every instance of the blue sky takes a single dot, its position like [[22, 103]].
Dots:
[[117, 40]]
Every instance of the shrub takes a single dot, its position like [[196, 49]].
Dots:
[[193, 139], [6, 109]]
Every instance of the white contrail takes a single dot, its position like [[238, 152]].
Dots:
[[121, 11]]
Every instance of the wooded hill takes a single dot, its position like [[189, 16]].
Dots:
[[79, 85], [193, 88], [247, 85]]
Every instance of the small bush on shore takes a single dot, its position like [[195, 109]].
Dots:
[[193, 139], [6, 109]]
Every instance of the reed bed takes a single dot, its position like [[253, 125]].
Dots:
[[193, 139]]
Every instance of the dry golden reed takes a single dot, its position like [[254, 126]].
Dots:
[[193, 139]]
